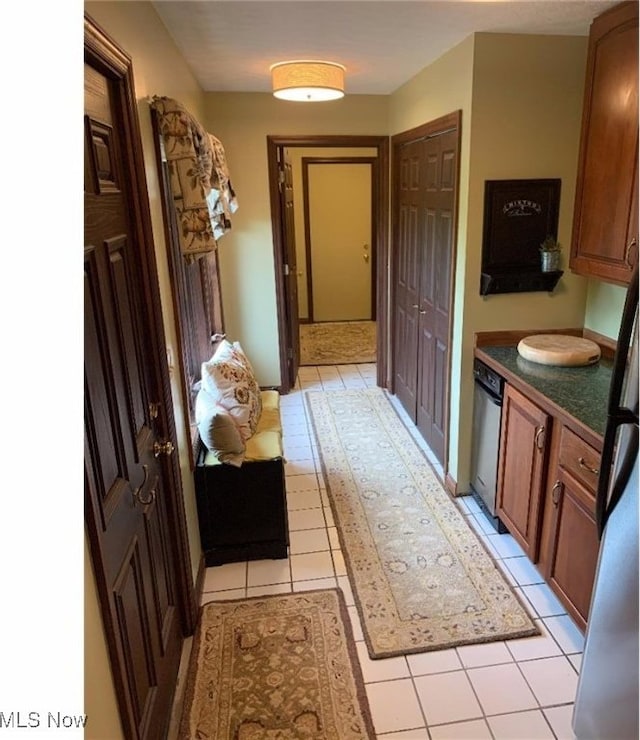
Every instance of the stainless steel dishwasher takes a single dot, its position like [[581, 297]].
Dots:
[[487, 415]]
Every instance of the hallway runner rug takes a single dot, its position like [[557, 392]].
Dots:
[[338, 343], [282, 666], [422, 579]]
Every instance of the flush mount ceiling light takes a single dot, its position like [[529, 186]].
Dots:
[[307, 80]]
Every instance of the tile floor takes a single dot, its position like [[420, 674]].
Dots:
[[518, 689]]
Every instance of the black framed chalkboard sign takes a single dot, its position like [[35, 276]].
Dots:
[[518, 215]]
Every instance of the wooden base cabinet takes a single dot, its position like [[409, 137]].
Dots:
[[569, 539], [574, 546], [521, 468]]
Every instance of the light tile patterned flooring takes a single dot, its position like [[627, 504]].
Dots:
[[518, 689]]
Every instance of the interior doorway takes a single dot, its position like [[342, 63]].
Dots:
[[281, 149]]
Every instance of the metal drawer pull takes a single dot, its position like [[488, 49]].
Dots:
[[627, 254], [137, 493], [415, 305], [583, 464], [555, 493], [539, 440]]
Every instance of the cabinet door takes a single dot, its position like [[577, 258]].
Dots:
[[605, 228], [523, 453], [574, 546]]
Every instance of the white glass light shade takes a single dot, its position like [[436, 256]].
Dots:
[[307, 80]]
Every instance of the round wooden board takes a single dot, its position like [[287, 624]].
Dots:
[[559, 349]]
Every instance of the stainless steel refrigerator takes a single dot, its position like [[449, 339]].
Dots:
[[606, 706]]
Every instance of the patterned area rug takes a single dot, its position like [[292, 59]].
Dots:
[[338, 343], [422, 579], [272, 667]]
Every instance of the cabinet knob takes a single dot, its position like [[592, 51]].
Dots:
[[539, 439], [555, 492]]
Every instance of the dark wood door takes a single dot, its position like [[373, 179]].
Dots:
[[290, 267], [426, 172], [407, 240], [436, 263], [126, 485], [521, 468], [605, 226]]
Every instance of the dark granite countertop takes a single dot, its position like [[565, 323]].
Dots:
[[583, 392]]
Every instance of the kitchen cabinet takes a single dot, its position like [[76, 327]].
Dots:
[[572, 541], [605, 225], [521, 468]]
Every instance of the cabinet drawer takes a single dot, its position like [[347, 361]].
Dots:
[[579, 459]]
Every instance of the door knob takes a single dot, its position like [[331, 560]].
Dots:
[[162, 448], [365, 256]]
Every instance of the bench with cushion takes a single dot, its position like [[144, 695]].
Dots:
[[239, 474]]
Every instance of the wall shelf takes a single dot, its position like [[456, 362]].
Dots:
[[519, 282]]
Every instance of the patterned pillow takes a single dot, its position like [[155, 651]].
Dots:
[[228, 377], [218, 431]]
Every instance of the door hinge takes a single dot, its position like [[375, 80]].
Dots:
[[290, 353], [285, 267]]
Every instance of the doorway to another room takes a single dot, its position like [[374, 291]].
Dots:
[[336, 260], [329, 205]]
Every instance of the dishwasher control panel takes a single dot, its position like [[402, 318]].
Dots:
[[488, 378]]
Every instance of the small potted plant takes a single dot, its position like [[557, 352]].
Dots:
[[550, 254]]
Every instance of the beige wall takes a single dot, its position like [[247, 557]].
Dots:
[[526, 116], [521, 102], [158, 69], [444, 87], [242, 121], [604, 308]]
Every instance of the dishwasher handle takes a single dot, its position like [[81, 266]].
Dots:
[[495, 400]]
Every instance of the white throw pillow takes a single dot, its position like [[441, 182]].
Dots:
[[218, 431], [228, 377]]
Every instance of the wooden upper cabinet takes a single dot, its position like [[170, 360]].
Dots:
[[522, 467], [605, 225]]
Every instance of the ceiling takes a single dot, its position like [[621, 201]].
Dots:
[[230, 44]]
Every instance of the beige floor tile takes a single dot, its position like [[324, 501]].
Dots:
[[394, 706], [501, 689], [521, 726], [475, 730], [447, 697], [552, 680]]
